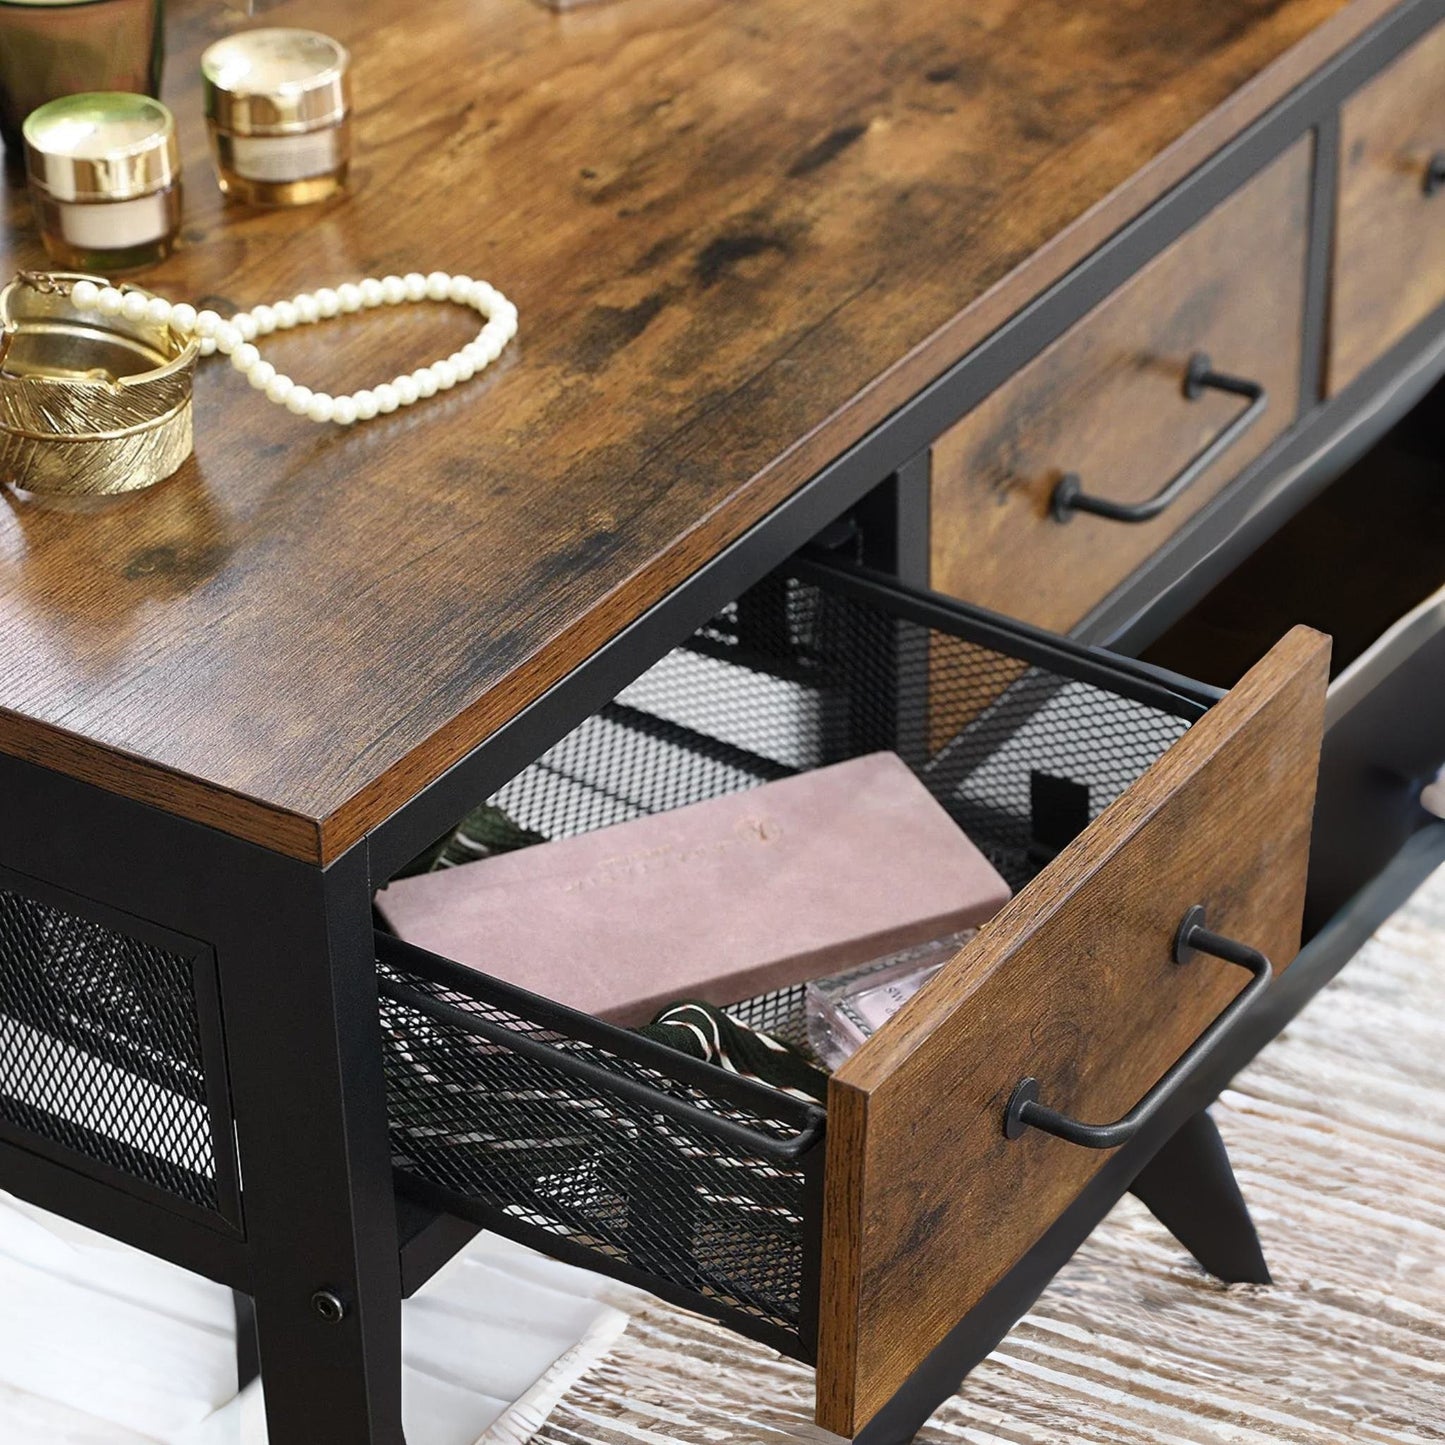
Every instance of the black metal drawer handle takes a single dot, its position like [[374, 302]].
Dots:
[[1069, 495], [1025, 1112], [1435, 174]]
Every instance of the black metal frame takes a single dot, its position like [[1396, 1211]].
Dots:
[[297, 993], [326, 1247], [1190, 1188], [1383, 743]]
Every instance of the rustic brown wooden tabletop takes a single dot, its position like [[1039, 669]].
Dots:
[[740, 233]]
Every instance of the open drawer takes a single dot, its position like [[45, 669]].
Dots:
[[1114, 797]]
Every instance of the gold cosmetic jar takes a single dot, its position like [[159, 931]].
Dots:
[[278, 103], [89, 403], [105, 178]]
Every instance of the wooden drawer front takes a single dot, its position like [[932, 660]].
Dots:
[[928, 1204], [1390, 239], [1106, 402]]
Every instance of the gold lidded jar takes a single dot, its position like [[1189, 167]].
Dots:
[[105, 176], [90, 404], [278, 103]]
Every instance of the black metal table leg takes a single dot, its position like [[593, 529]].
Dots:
[[248, 1359], [231, 992], [1190, 1188], [300, 1007]]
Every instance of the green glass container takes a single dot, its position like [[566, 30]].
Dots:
[[51, 48]]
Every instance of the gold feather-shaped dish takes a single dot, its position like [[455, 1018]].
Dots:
[[89, 404]]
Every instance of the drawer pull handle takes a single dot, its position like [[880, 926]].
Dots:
[[1025, 1112], [1435, 174], [1069, 495]]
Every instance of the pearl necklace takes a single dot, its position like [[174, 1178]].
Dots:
[[235, 338]]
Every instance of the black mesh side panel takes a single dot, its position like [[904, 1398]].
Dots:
[[100, 1048], [782, 1013]]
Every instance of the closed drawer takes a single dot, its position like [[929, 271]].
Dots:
[[1390, 232], [1109, 404], [856, 1236], [1365, 562]]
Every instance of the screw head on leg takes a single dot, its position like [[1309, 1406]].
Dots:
[[329, 1306]]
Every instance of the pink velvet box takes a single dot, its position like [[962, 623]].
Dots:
[[719, 901]]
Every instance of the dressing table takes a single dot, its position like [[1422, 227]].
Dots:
[[1005, 331]]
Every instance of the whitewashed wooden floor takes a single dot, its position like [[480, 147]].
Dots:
[[1338, 1133]]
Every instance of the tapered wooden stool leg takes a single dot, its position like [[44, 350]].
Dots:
[[1190, 1188]]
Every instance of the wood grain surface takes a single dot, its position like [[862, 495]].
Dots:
[[927, 1203], [1106, 402], [1337, 1134], [1390, 236], [740, 234]]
